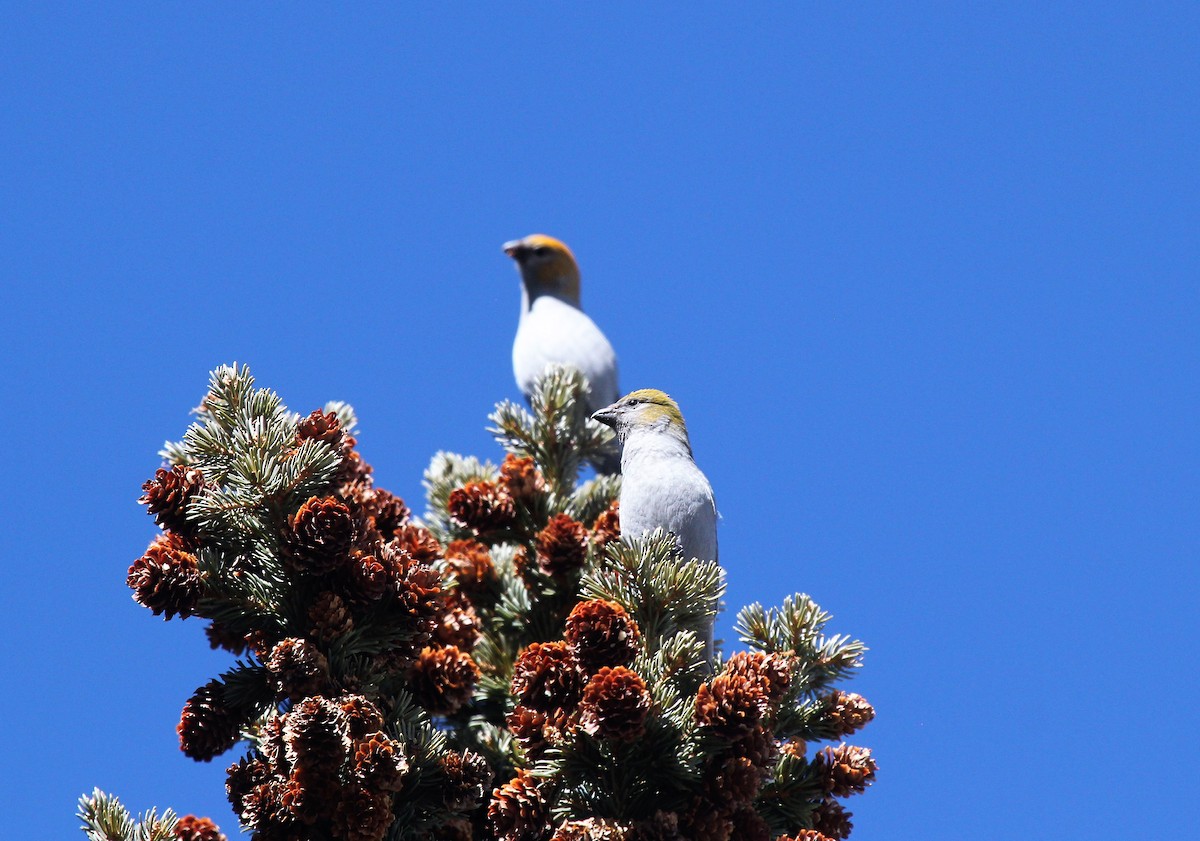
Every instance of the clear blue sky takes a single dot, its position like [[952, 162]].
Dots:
[[925, 283]]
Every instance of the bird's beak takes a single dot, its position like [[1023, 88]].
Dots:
[[606, 416], [513, 248]]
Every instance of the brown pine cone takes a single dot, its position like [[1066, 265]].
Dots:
[[600, 633], [221, 637], [592, 829], [845, 770], [320, 426], [322, 533], [418, 543], [847, 712], [521, 477], [483, 507], [471, 565], [467, 777], [299, 669], [192, 828], [330, 618], [264, 812], [242, 777], [732, 781], [517, 811], [207, 727], [731, 705], [443, 679], [361, 716], [362, 815], [606, 528], [459, 623], [379, 763], [167, 578], [663, 826], [561, 546], [546, 677], [615, 705], [167, 495], [773, 670], [831, 819], [748, 825], [314, 731]]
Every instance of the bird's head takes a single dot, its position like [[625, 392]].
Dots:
[[646, 409], [547, 266]]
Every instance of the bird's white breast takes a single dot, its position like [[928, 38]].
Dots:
[[663, 490], [553, 331]]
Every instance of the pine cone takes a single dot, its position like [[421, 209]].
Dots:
[[379, 763], [528, 727], [221, 637], [600, 633], [263, 812], [362, 815], [207, 727], [459, 624], [482, 507], [847, 712], [831, 819], [663, 826], [758, 745], [845, 770], [615, 705], [561, 546], [706, 824], [773, 670], [388, 512], [606, 528], [517, 811], [353, 469], [748, 825], [320, 426], [732, 781], [299, 669], [455, 829], [370, 577], [360, 715], [467, 777], [418, 543], [443, 679], [167, 578], [731, 705], [546, 677], [167, 495], [521, 478], [322, 532], [420, 601], [592, 829], [192, 828], [330, 618], [471, 565], [314, 732], [242, 777], [797, 748]]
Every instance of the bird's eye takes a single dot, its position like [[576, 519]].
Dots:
[[541, 251], [634, 401]]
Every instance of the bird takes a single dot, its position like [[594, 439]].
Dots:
[[661, 486], [553, 328]]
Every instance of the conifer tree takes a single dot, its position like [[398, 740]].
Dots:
[[509, 666]]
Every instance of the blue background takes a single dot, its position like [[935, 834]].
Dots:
[[924, 282]]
